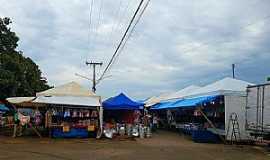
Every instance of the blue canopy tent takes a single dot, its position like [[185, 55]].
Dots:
[[185, 103], [3, 108], [121, 102]]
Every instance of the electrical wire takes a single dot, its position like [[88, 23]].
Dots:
[[120, 21], [90, 25], [122, 39], [132, 30], [98, 21], [116, 15], [124, 15]]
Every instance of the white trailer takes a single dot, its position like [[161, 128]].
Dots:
[[258, 111]]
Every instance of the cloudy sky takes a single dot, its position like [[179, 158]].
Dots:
[[176, 43]]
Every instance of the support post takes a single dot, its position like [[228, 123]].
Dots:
[[212, 125]]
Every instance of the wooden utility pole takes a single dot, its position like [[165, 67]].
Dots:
[[94, 64]]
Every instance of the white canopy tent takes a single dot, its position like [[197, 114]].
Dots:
[[155, 99], [226, 86], [18, 100], [168, 96], [70, 94], [183, 92], [234, 92], [69, 89]]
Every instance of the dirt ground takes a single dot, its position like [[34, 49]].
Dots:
[[162, 146]]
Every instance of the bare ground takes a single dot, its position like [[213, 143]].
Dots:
[[162, 146]]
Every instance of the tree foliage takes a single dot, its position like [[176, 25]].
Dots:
[[19, 75]]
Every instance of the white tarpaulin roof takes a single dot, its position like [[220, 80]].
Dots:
[[69, 100], [69, 89], [167, 96], [155, 99], [183, 92], [68, 94], [222, 87], [17, 100]]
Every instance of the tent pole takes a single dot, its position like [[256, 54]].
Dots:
[[212, 125], [100, 131]]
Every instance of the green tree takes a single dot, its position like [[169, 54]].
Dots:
[[19, 75]]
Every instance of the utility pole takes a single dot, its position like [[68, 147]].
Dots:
[[233, 71], [94, 64]]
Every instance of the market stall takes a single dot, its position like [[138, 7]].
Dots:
[[124, 117], [5, 119], [208, 111], [187, 115], [66, 111]]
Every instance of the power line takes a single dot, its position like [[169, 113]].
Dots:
[[120, 21], [98, 20], [116, 15], [122, 40], [132, 30], [90, 24], [124, 14]]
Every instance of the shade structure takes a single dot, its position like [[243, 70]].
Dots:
[[186, 103], [68, 94], [3, 107], [68, 89], [18, 100], [93, 101], [121, 102], [226, 86], [156, 99], [183, 92]]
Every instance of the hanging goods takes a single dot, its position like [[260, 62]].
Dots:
[[87, 113], [75, 113], [48, 119], [234, 127], [23, 119], [94, 114], [37, 117], [67, 113], [137, 115], [91, 128]]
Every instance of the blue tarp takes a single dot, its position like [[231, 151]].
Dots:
[[163, 105], [73, 133], [185, 103], [3, 107], [121, 102]]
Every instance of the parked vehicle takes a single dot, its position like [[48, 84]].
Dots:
[[258, 111]]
